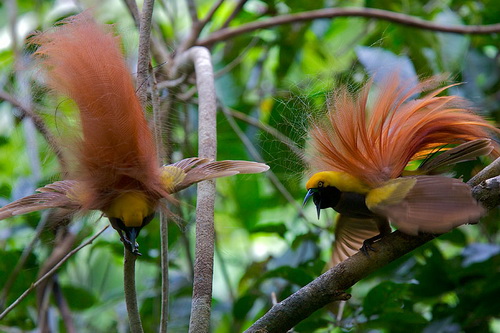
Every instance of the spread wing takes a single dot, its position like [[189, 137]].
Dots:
[[434, 204], [182, 174], [60, 194], [350, 233]]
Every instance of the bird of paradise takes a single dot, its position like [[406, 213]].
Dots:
[[361, 150], [114, 166]]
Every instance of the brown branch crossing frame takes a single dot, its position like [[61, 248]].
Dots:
[[227, 33]]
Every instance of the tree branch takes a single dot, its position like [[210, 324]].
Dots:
[[22, 260], [490, 171], [403, 19], [134, 317], [38, 122], [331, 285], [143, 60], [193, 11], [233, 14], [268, 129], [200, 58]]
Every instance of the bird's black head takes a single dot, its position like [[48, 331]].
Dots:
[[323, 197]]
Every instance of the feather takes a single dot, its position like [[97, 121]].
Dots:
[[189, 171], [116, 152], [435, 204], [465, 152], [375, 144], [57, 195], [350, 234]]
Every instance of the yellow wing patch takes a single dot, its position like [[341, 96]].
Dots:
[[171, 176], [392, 192]]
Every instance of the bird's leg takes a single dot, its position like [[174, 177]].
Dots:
[[367, 244], [134, 248], [384, 228]]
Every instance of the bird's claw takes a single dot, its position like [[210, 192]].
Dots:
[[367, 246], [134, 248]]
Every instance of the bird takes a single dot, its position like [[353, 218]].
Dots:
[[359, 149], [113, 162]]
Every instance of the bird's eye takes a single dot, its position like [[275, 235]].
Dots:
[[320, 184]]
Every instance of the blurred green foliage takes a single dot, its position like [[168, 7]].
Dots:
[[281, 76]]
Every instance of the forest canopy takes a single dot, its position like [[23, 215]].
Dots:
[[276, 66]]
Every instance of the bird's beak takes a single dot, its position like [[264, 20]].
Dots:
[[131, 234], [313, 192]]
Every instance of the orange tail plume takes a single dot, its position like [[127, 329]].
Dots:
[[374, 144], [82, 60]]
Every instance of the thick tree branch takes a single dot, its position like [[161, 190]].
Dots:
[[490, 171], [143, 60], [331, 285], [403, 19], [200, 58]]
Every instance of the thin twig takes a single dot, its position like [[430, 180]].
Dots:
[[49, 273], [403, 19], [172, 83], [233, 14], [134, 11], [22, 260], [193, 11], [270, 130], [164, 272], [196, 28], [38, 122], [239, 59], [225, 273], [158, 49], [257, 157], [207, 143], [144, 58], [210, 14], [64, 309], [134, 316], [155, 98]]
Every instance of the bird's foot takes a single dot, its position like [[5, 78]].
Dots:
[[134, 248], [367, 245]]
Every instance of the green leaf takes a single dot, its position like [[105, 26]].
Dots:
[[294, 275], [385, 297], [79, 298], [270, 227]]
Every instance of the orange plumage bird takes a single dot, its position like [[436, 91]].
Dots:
[[362, 146], [114, 165]]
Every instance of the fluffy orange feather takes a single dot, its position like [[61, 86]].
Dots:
[[82, 60], [375, 144]]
